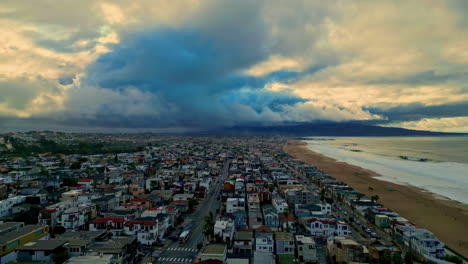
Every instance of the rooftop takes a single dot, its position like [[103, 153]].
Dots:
[[42, 245], [243, 235], [284, 236], [214, 249], [105, 259], [9, 236]]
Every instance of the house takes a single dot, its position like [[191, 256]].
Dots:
[[426, 243], [123, 249], [183, 197], [270, 216], [346, 250], [40, 250], [146, 231], [224, 229], [301, 196], [235, 204], [243, 242], [255, 218], [214, 252], [240, 219], [76, 217], [288, 222], [136, 190], [264, 242], [78, 243], [306, 249], [145, 203], [382, 221], [284, 243], [253, 201], [327, 227], [111, 224], [86, 183], [280, 205], [52, 214], [238, 258], [15, 234], [263, 257], [6, 205], [71, 195]]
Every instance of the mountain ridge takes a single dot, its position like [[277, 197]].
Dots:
[[321, 129]]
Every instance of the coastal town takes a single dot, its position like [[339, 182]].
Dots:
[[148, 198]]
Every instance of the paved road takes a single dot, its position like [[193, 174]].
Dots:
[[173, 252]]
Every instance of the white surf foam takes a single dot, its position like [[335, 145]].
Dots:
[[448, 179]]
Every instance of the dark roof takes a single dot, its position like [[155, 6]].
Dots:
[[5, 227], [43, 245], [9, 236]]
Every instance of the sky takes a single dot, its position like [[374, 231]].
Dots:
[[167, 66]]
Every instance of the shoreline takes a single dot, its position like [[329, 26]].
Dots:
[[447, 219]]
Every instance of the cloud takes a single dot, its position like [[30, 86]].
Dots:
[[449, 124], [195, 64]]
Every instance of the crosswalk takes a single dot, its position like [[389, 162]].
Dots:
[[183, 249], [174, 260]]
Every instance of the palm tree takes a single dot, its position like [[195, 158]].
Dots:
[[371, 191], [209, 225], [375, 198]]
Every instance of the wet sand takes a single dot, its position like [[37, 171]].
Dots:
[[447, 219]]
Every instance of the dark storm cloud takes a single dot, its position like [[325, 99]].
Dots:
[[416, 111], [197, 72]]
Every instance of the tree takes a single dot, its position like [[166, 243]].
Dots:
[[409, 257], [371, 191], [397, 259], [58, 230], [375, 198], [453, 259], [209, 225], [322, 195], [385, 258], [60, 257]]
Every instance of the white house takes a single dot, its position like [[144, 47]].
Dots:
[[327, 227], [280, 204], [6, 205], [145, 231], [224, 229], [426, 243], [75, 218], [235, 204]]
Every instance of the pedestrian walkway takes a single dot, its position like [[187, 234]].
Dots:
[[183, 249], [174, 260]]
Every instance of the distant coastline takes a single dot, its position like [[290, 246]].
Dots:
[[419, 206]]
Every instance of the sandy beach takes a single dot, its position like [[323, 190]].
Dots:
[[447, 219]]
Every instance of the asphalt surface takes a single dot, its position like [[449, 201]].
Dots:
[[175, 253]]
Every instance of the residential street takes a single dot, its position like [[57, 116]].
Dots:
[[175, 253]]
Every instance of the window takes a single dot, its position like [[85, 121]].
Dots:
[[13, 244]]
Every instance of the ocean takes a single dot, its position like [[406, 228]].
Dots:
[[436, 164]]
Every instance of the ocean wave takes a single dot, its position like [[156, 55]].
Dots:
[[447, 179], [413, 158]]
